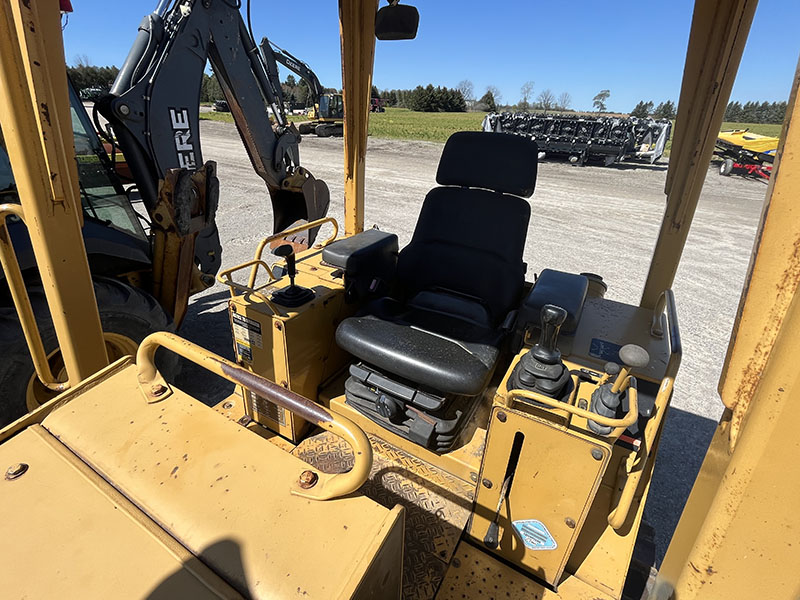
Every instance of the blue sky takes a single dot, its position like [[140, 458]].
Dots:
[[634, 48]]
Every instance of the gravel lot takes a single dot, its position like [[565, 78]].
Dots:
[[603, 220]]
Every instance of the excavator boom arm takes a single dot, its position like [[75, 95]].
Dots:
[[154, 110], [273, 54]]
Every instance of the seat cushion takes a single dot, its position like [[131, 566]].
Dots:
[[450, 350], [471, 242]]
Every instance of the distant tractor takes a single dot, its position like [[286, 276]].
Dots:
[[377, 105]]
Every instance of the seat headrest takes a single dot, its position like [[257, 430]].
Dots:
[[496, 161]]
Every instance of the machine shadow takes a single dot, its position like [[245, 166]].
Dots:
[[226, 552], [207, 324], [632, 166], [681, 451]]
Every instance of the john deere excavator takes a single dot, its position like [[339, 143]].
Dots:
[[327, 109], [417, 423], [153, 245]]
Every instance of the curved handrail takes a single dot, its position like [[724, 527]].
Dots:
[[666, 306], [291, 231], [619, 514], [22, 301], [226, 278], [324, 486], [618, 425]]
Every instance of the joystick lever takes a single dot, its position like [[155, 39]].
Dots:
[[607, 398], [541, 370], [552, 318], [632, 357], [286, 251], [294, 295]]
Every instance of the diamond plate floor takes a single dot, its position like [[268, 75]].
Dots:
[[437, 504]]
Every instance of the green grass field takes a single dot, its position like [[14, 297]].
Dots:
[[399, 123], [770, 129], [227, 117], [404, 124]]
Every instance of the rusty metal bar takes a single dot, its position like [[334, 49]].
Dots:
[[773, 276]]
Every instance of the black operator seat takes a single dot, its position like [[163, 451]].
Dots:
[[461, 276]]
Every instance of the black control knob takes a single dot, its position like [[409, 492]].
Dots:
[[552, 318], [611, 369], [387, 407], [286, 251]]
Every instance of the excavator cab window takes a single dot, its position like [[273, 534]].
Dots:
[[102, 195], [331, 106]]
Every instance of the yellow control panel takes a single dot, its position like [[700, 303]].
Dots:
[[293, 346]]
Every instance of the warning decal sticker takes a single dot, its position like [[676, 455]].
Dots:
[[267, 409], [244, 352], [247, 331], [534, 535]]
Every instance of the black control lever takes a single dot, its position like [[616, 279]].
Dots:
[[492, 537], [552, 318], [540, 369], [607, 398], [286, 251], [294, 295]]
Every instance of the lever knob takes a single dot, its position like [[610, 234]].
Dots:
[[286, 251], [634, 356], [552, 318], [611, 368]]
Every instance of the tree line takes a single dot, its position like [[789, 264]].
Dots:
[[84, 75], [756, 112], [665, 110], [736, 112], [424, 99]]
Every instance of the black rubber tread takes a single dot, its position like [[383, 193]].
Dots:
[[123, 309]]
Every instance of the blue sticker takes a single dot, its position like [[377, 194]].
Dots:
[[605, 350], [534, 535]]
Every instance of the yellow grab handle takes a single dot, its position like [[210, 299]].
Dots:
[[317, 486]]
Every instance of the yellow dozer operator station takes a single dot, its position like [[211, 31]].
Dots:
[[425, 422]]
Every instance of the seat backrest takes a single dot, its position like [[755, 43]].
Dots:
[[470, 235]]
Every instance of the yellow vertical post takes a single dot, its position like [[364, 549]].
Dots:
[[774, 273], [737, 537], [36, 122], [357, 28], [718, 35]]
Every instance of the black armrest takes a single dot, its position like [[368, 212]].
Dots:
[[566, 290], [368, 260]]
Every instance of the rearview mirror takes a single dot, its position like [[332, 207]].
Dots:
[[397, 22]]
